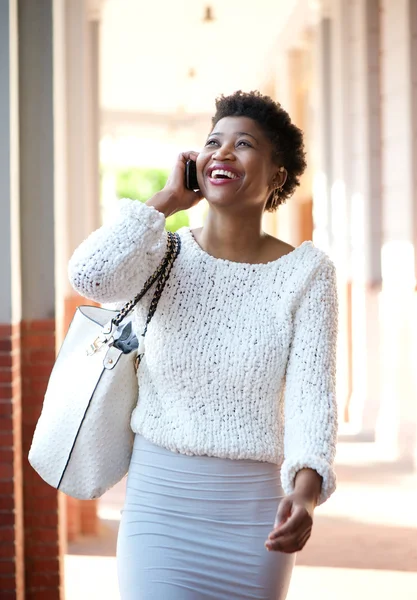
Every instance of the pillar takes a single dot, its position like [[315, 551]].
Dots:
[[43, 538], [11, 496], [365, 205], [323, 119], [397, 425], [331, 171], [293, 221], [79, 213]]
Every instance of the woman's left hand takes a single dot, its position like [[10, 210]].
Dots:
[[295, 522]]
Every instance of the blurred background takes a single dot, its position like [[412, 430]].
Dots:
[[97, 98]]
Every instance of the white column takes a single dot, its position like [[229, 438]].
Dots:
[[365, 204], [331, 221], [279, 223], [12, 584], [37, 160], [77, 111], [9, 166], [82, 211], [322, 132], [413, 62], [398, 422]]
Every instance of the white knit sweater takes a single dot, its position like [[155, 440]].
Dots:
[[240, 358]]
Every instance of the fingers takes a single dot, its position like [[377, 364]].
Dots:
[[176, 177], [290, 543], [190, 155], [284, 510], [299, 520], [295, 530]]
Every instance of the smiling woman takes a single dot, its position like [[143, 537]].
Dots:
[[236, 417]]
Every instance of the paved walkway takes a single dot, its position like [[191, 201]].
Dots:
[[364, 542]]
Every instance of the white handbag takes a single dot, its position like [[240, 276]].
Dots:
[[83, 440]]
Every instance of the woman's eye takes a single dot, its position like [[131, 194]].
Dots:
[[211, 142], [244, 143]]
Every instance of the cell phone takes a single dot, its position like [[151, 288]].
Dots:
[[191, 182]]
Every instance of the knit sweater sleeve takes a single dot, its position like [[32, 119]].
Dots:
[[114, 262], [310, 404]]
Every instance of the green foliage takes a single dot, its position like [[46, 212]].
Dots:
[[141, 184]]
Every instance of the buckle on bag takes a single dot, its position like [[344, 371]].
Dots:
[[95, 346], [105, 337]]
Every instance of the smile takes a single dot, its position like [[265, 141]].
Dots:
[[219, 176]]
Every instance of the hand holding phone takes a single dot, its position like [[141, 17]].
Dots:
[[181, 190]]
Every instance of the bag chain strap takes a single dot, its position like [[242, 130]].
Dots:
[[161, 273], [176, 247], [158, 291]]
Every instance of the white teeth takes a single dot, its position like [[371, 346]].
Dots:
[[218, 172]]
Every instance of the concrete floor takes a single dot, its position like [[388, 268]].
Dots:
[[364, 541]]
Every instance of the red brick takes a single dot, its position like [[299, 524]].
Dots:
[[6, 409], [7, 567], [42, 535], [41, 519], [39, 357], [36, 341], [40, 564], [6, 503], [5, 392], [8, 594], [6, 518], [6, 375], [5, 345], [6, 359], [6, 471], [6, 549], [35, 547], [47, 325], [6, 422], [36, 580], [7, 587], [37, 371], [6, 439], [7, 487], [6, 330], [39, 387], [43, 594], [7, 534]]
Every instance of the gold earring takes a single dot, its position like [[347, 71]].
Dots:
[[280, 188], [281, 170]]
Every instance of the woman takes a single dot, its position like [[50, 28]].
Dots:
[[237, 383]]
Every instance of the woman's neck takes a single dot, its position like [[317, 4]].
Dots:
[[231, 237]]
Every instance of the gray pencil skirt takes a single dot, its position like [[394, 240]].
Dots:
[[194, 527]]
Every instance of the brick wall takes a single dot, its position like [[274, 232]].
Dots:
[[43, 544], [11, 497]]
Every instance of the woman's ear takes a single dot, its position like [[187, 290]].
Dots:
[[282, 175], [279, 179]]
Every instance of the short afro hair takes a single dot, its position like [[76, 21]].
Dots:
[[286, 138]]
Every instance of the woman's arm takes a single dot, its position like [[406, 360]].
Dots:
[[307, 473], [114, 262], [310, 398]]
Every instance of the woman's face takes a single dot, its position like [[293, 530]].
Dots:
[[235, 167]]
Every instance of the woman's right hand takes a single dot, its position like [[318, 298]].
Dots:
[[175, 196]]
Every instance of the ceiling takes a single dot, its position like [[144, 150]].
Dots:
[[164, 57], [163, 63]]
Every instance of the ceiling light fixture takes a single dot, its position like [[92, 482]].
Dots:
[[208, 15]]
